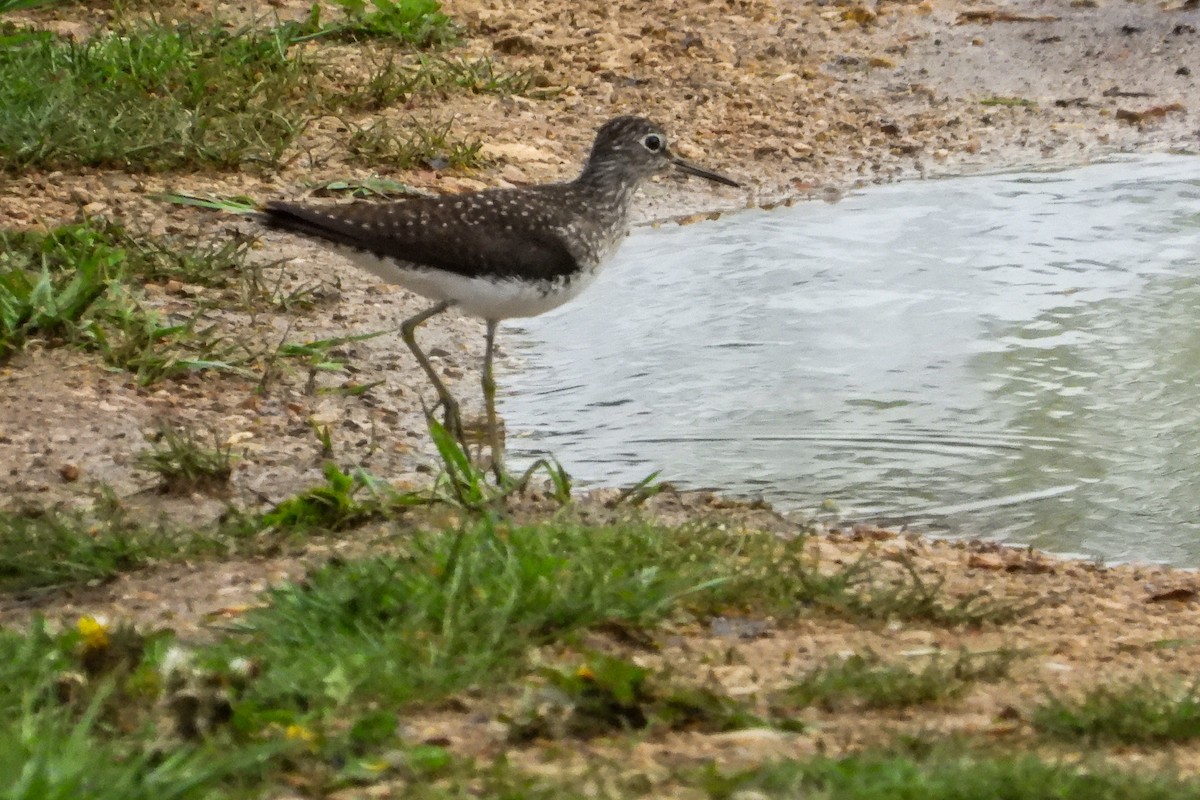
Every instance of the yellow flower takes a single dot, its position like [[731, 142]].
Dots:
[[585, 672], [300, 733], [94, 633]]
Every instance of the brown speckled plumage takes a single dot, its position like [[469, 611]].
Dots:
[[535, 233]]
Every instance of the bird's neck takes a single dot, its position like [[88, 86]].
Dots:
[[608, 184]]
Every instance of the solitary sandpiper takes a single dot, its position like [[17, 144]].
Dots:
[[498, 253]]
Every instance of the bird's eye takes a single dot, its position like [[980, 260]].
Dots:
[[653, 142]]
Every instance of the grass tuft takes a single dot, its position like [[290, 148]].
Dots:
[[419, 23], [430, 146], [1134, 714], [49, 282], [216, 262], [81, 284], [46, 548], [943, 777], [785, 579], [396, 79], [866, 681], [185, 465], [335, 506]]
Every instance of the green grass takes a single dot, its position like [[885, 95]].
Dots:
[[396, 78], [185, 464], [151, 98], [420, 23], [371, 186], [883, 777], [867, 681], [132, 337], [752, 574], [1143, 713], [317, 356], [784, 579], [310, 691], [48, 548], [78, 718], [43, 549], [82, 284], [417, 145], [450, 613], [101, 712], [96, 712], [335, 657], [345, 501], [49, 283], [50, 756], [477, 76], [215, 262], [154, 98]]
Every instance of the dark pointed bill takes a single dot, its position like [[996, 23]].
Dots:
[[701, 172]]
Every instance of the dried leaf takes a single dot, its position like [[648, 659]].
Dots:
[[1154, 112]]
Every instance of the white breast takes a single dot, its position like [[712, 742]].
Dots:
[[479, 297]]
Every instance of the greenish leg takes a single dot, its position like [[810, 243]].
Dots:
[[489, 399], [408, 332]]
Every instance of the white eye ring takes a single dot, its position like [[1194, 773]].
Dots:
[[653, 142]]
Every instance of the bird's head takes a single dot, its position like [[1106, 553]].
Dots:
[[634, 148]]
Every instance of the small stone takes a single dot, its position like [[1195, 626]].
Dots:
[[120, 183], [989, 561], [69, 472]]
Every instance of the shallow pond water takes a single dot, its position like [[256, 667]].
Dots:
[[1011, 356]]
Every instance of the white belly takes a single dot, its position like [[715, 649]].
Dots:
[[479, 297]]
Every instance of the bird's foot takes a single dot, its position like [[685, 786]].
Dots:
[[478, 436]]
